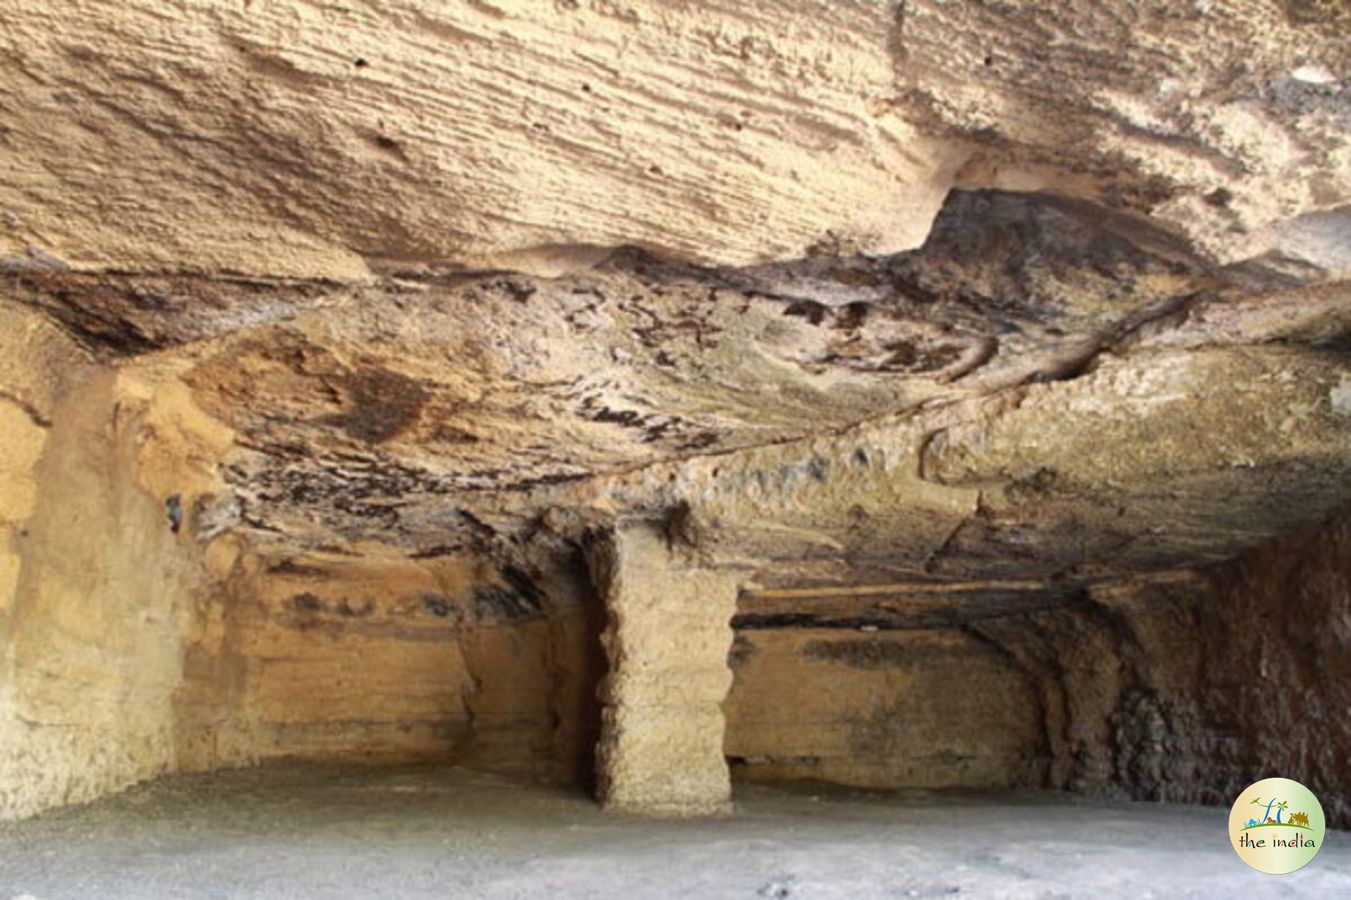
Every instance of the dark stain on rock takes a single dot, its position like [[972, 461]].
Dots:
[[450, 434], [383, 404], [909, 356], [813, 312], [700, 441], [359, 610], [390, 146], [496, 603], [481, 527], [618, 417], [436, 550], [437, 606], [1040, 484], [526, 484], [307, 602], [788, 476], [1220, 198], [289, 566], [770, 621], [654, 433], [96, 315], [594, 410], [28, 409], [741, 652], [859, 654], [852, 317], [173, 510], [1334, 15], [519, 291], [523, 584], [116, 314]]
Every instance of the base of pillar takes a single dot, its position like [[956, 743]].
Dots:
[[701, 810]]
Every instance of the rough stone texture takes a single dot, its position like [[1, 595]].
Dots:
[[1184, 688], [303, 139], [388, 662], [802, 408], [1191, 688], [90, 645], [1290, 624], [1167, 472], [915, 708], [988, 326], [1225, 121], [661, 742], [31, 349], [308, 140]]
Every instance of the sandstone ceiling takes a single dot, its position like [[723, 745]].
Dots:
[[992, 299]]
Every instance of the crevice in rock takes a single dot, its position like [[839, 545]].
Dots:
[[28, 409]]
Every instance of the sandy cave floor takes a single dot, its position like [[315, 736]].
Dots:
[[327, 832]]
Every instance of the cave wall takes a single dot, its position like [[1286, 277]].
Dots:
[[1189, 687], [1181, 687], [132, 644], [392, 662], [1237, 675], [129, 648], [29, 349], [347, 289], [1282, 627], [26, 400], [924, 709], [1299, 592], [94, 577]]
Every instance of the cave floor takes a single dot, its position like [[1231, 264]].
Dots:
[[328, 832]]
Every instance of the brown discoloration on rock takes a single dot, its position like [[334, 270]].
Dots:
[[363, 422], [381, 405], [858, 654], [118, 314]]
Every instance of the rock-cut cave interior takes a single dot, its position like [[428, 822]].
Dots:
[[620, 448]]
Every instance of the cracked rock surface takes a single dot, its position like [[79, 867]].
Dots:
[[1042, 389]]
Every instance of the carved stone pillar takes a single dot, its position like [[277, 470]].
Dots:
[[667, 639]]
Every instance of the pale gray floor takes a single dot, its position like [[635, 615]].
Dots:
[[296, 833]]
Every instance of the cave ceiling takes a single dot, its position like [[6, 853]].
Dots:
[[995, 302]]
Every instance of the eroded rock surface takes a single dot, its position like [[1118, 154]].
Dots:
[[666, 641], [303, 139], [942, 325]]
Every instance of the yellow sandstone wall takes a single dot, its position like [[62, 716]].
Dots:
[[128, 649], [1185, 687], [921, 709], [392, 661], [93, 579]]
